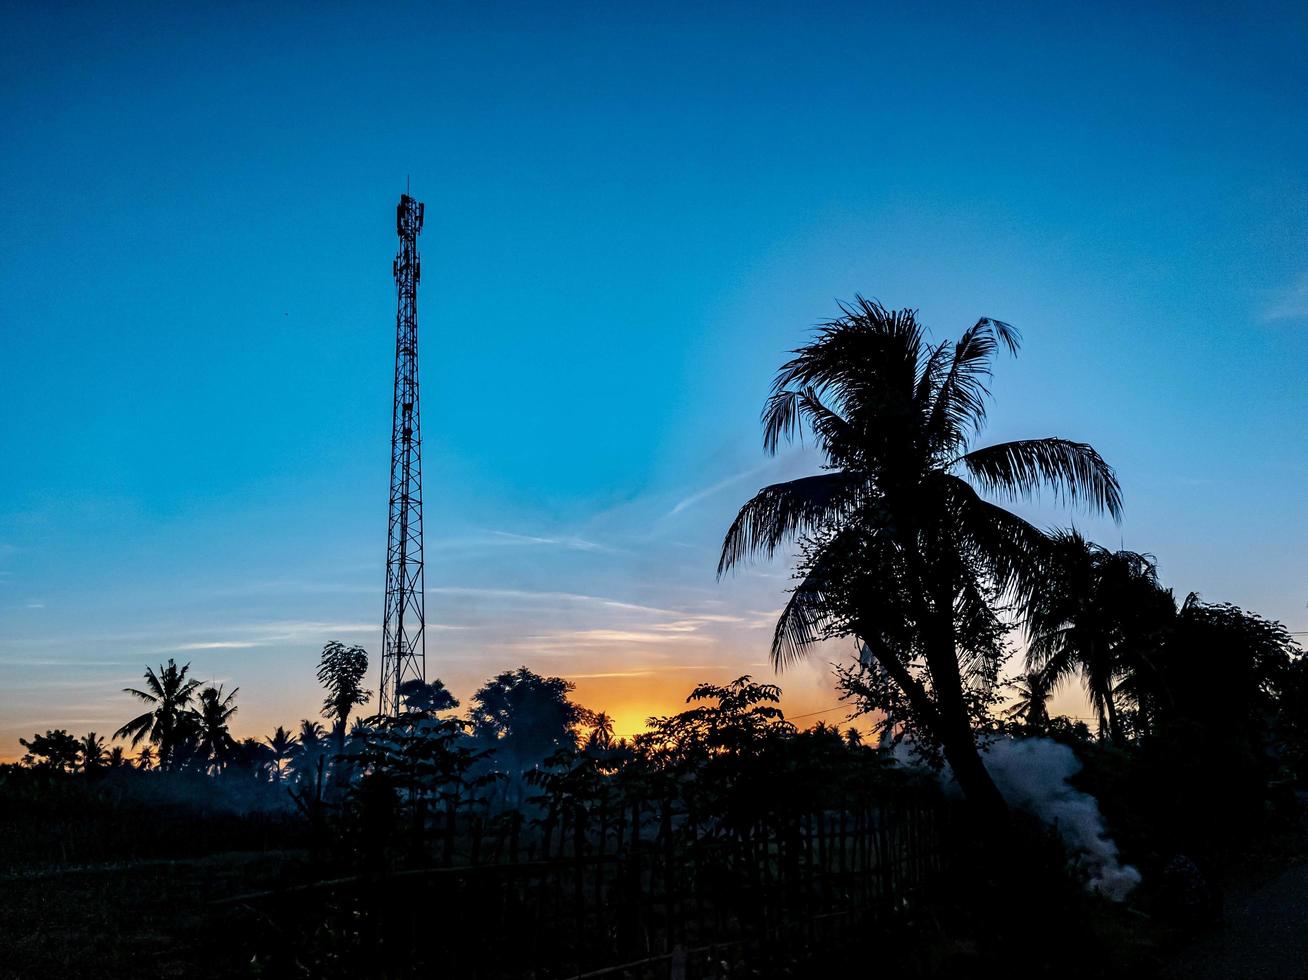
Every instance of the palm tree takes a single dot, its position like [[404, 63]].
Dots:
[[169, 693], [214, 741], [601, 733], [1095, 615], [117, 758], [92, 751], [1032, 703], [310, 747], [145, 759], [899, 547], [282, 743]]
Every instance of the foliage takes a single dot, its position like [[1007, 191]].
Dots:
[[1217, 654], [426, 697], [1031, 700], [1099, 614], [91, 748], [741, 717], [167, 724], [56, 749], [341, 671], [214, 742], [525, 718], [281, 747], [898, 547]]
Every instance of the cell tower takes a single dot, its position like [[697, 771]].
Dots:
[[404, 646]]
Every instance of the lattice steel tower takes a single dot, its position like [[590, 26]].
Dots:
[[404, 649]]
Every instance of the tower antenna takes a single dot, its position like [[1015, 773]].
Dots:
[[404, 643]]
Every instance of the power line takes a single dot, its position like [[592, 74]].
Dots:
[[821, 712]]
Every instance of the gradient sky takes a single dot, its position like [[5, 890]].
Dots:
[[632, 212]]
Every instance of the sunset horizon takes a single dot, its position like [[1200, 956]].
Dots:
[[670, 492]]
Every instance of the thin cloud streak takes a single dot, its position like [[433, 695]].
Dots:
[[533, 596], [567, 541], [721, 485], [218, 645]]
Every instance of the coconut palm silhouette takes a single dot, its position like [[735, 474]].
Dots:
[[169, 693], [899, 547]]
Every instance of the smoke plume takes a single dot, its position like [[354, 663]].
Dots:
[[1032, 774]]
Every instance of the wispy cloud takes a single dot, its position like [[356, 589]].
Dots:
[[529, 595], [706, 492], [604, 637], [218, 645], [1291, 303], [762, 620], [57, 662], [266, 634], [564, 541], [493, 539]]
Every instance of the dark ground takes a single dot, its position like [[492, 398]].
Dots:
[[1264, 934], [155, 918], [143, 920]]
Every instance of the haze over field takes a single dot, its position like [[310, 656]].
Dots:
[[631, 216]]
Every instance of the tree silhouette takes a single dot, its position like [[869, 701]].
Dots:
[[169, 693], [426, 697], [1031, 705], [1096, 614], [251, 757], [214, 742], [1217, 656], [310, 749], [525, 718], [56, 749], [600, 737], [282, 745], [92, 751], [735, 718], [899, 548], [341, 671]]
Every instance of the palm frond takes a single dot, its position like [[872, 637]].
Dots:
[[808, 613], [1074, 470], [136, 729], [931, 374], [1014, 551], [786, 412], [800, 625], [779, 512], [959, 408], [858, 560], [867, 352]]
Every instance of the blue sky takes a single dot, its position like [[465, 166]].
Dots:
[[631, 215]]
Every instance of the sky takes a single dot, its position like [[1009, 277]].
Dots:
[[632, 213]]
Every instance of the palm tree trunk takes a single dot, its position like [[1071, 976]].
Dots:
[[957, 740], [946, 719], [1114, 723], [954, 726]]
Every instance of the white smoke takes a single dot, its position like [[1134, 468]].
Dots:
[[1032, 774]]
